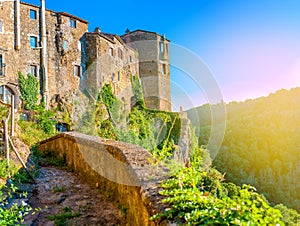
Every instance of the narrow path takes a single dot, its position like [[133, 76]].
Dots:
[[61, 192]]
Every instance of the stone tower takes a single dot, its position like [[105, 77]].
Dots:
[[154, 67]]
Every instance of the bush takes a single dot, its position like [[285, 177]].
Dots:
[[15, 214], [5, 171], [45, 120], [193, 201], [31, 133], [289, 216]]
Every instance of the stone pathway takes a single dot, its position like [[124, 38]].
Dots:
[[61, 192]]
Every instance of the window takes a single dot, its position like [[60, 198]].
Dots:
[[73, 23], [56, 98], [1, 66], [79, 45], [77, 70], [113, 77], [120, 53], [1, 26], [33, 70], [65, 45], [33, 42], [111, 51], [164, 69], [161, 47], [33, 14], [119, 76]]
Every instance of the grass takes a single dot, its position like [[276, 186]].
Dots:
[[58, 189], [60, 219], [123, 210], [31, 134]]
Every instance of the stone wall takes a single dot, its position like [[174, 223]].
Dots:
[[63, 46], [110, 61], [102, 58], [123, 170], [154, 67]]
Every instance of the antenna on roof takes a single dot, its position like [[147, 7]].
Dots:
[[127, 31]]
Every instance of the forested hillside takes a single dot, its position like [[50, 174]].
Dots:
[[261, 145]]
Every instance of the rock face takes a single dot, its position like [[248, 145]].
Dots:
[[121, 169], [61, 192]]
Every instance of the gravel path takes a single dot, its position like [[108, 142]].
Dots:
[[61, 192]]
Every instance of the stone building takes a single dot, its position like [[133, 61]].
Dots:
[[57, 48], [154, 66], [109, 60], [41, 42]]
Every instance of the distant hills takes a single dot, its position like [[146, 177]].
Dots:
[[261, 146]]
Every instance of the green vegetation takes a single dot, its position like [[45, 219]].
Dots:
[[40, 127], [42, 122], [261, 146], [195, 195], [60, 219], [31, 132], [12, 215], [123, 210], [29, 88], [58, 189], [289, 216], [156, 131], [48, 158], [200, 197], [5, 170]]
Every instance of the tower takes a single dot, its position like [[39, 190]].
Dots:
[[154, 67]]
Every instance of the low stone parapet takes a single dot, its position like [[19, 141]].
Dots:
[[124, 171]]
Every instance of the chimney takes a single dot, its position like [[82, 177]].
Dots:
[[97, 30]]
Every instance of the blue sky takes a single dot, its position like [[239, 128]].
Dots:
[[251, 46]]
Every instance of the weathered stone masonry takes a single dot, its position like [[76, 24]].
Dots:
[[27, 58], [119, 168], [75, 58]]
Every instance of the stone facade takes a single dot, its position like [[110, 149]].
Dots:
[[110, 61], [71, 57], [154, 67], [63, 47]]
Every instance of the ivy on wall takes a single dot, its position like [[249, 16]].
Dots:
[[29, 88]]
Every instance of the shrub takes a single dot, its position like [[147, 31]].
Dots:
[[5, 171], [192, 202], [29, 88]]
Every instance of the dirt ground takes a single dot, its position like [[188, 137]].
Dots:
[[66, 200]]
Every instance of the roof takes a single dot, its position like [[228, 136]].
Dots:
[[110, 37], [61, 13], [74, 17], [102, 35], [144, 31]]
